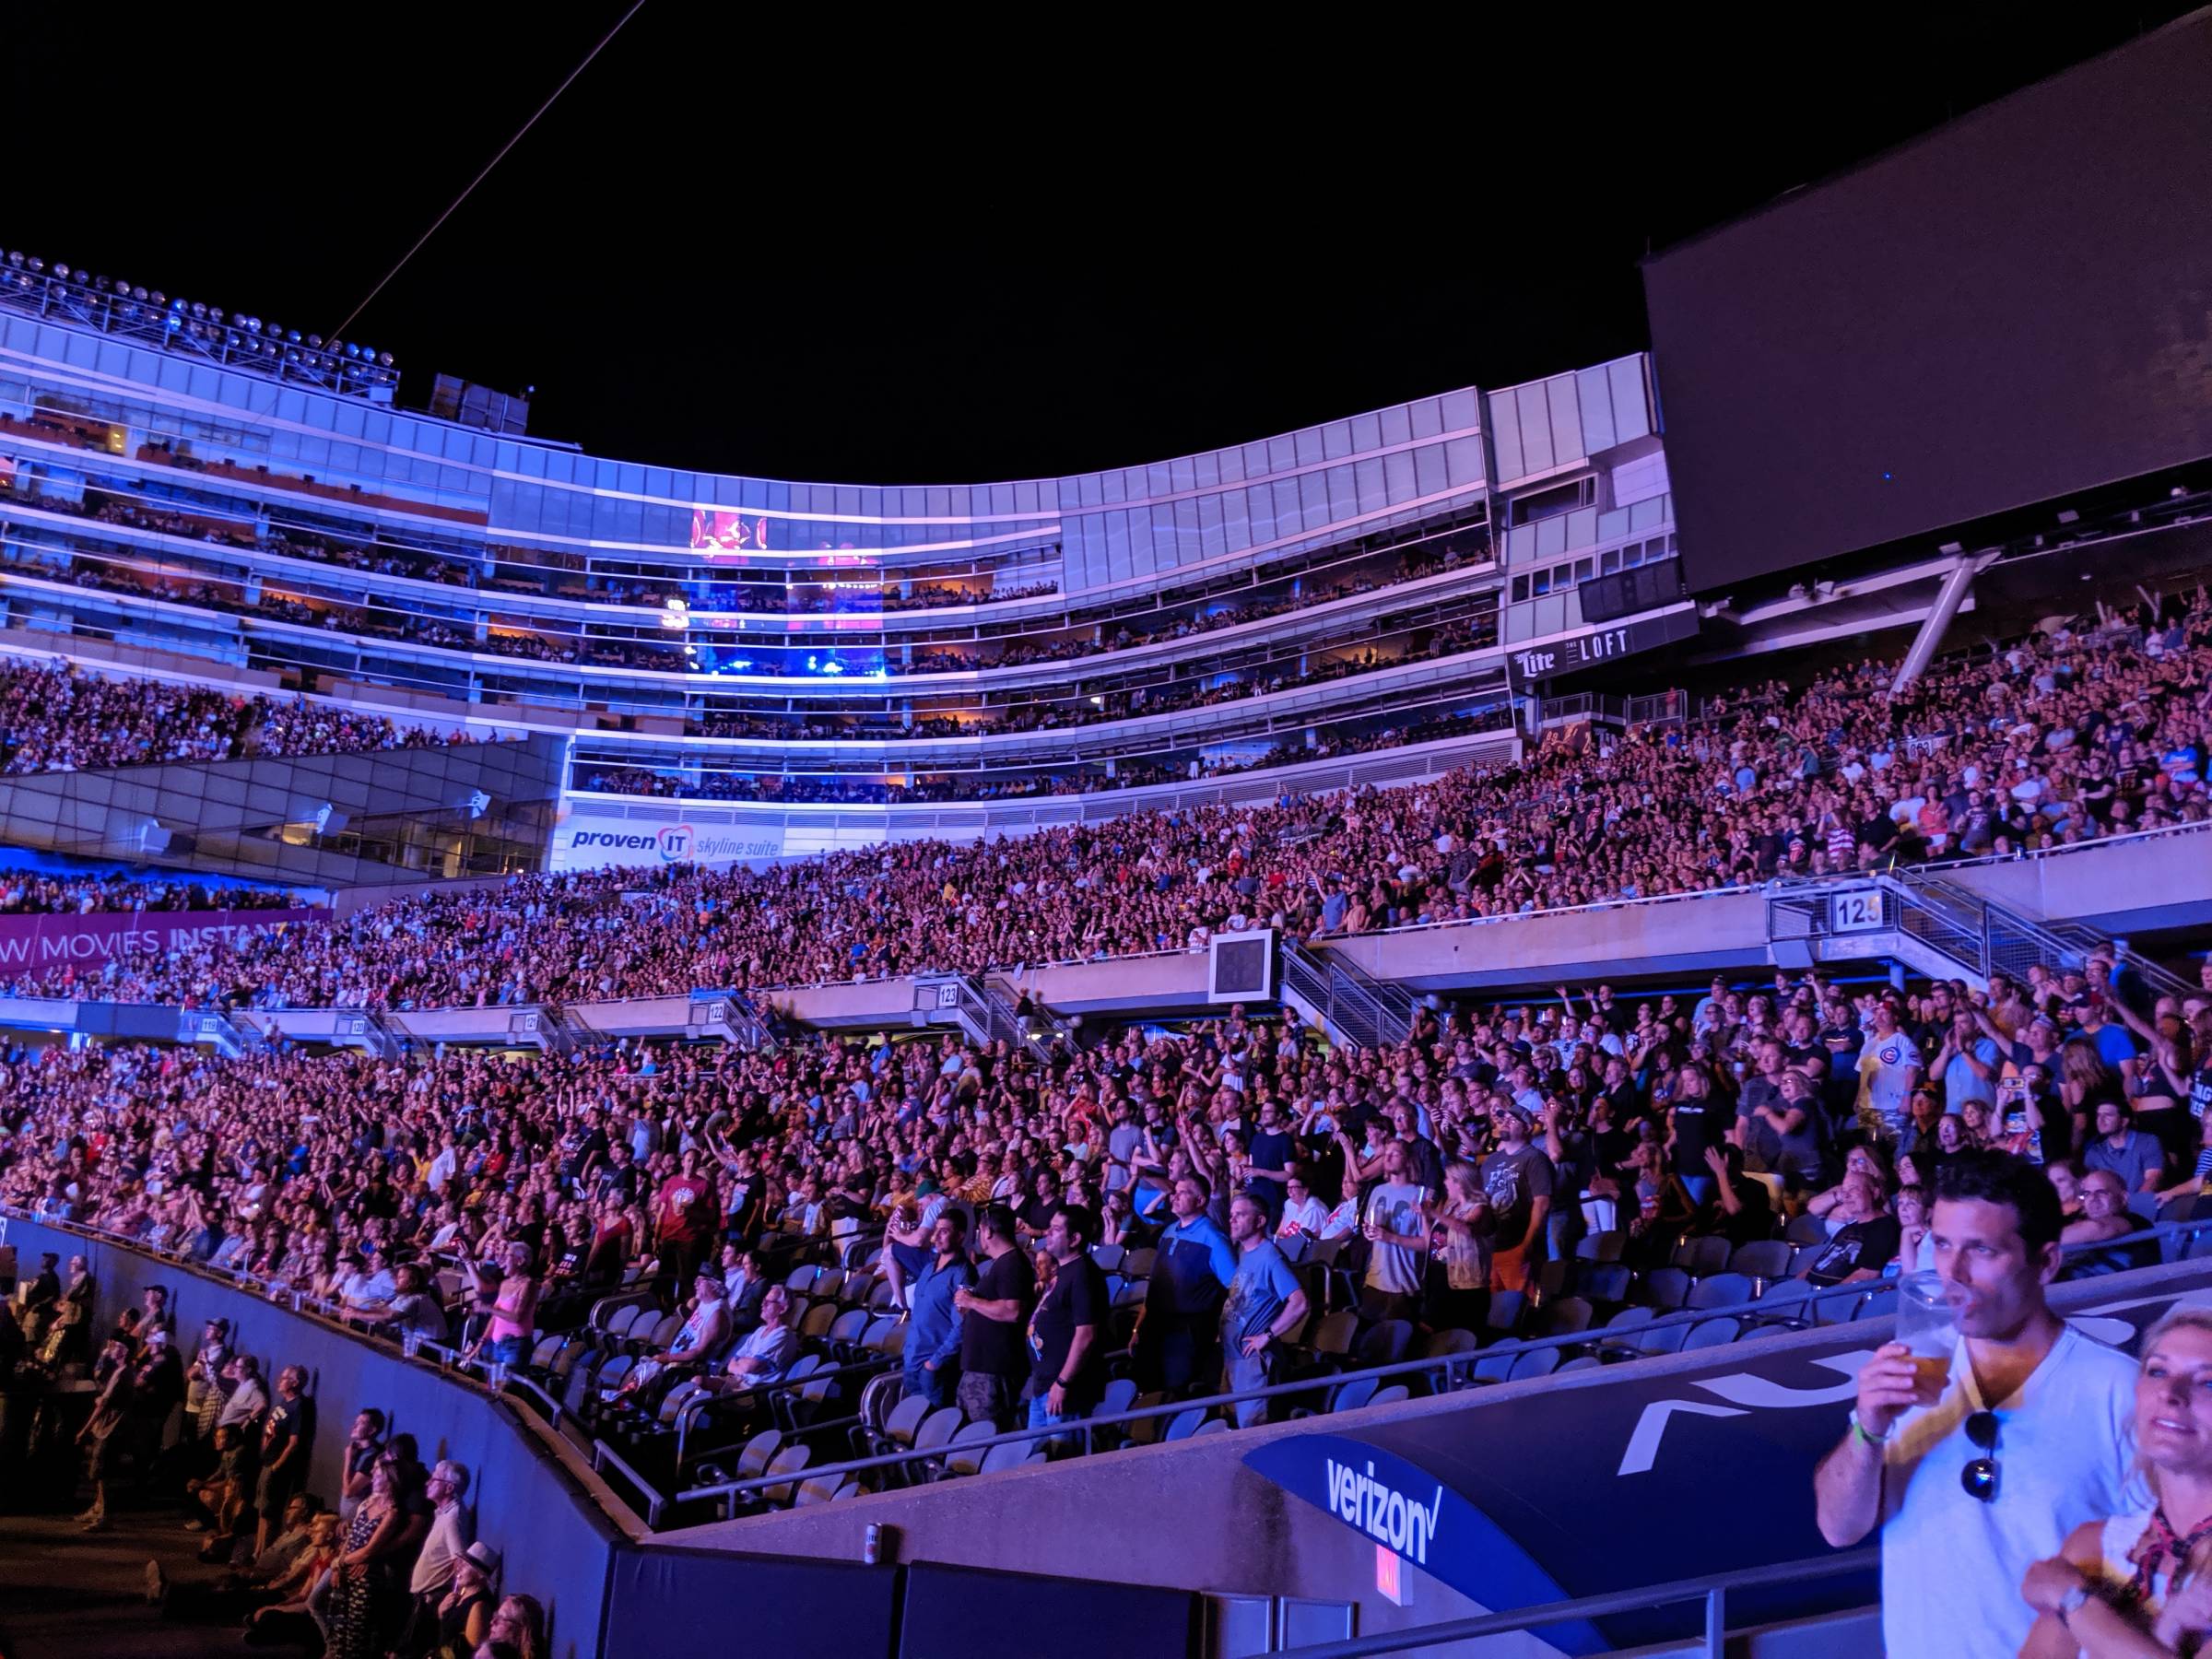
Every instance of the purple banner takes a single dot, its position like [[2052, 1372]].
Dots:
[[30, 943]]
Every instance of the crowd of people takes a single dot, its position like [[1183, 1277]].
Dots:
[[2055, 741], [1455, 1166], [386, 1564], [45, 894], [56, 717]]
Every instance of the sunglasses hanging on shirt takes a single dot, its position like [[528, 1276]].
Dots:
[[1980, 1478]]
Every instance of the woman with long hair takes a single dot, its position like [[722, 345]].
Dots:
[[2136, 1587]]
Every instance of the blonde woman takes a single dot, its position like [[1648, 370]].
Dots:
[[2136, 1587]]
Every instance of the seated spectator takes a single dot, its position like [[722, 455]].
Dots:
[[2104, 1217], [767, 1352], [2136, 1158], [1866, 1240]]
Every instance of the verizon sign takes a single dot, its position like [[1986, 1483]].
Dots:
[[28, 943]]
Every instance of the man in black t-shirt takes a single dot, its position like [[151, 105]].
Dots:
[[287, 1436], [1066, 1333], [993, 1355]]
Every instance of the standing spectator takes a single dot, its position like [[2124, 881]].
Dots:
[[684, 1217], [2030, 1403], [1967, 1063], [1265, 1307], [991, 1330], [932, 1355], [364, 1446], [1191, 1270], [1397, 1239], [1517, 1179], [365, 1580], [451, 1532], [287, 1435], [1889, 1071], [1070, 1370], [512, 1311]]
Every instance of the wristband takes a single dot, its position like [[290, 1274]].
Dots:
[[1865, 1433], [2070, 1604]]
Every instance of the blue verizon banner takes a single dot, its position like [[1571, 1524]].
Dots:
[[1640, 1474]]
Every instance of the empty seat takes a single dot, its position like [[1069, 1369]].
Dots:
[[1712, 1332], [1535, 1362], [1334, 1334], [1211, 1426], [1506, 1307], [1010, 1454], [1116, 1398], [1391, 1396], [1351, 1396], [1184, 1424], [1719, 1291], [753, 1459], [902, 1422], [1663, 1288], [1605, 1281], [964, 1458], [1443, 1343], [937, 1428], [1699, 1256], [1563, 1317], [1385, 1343], [1807, 1229], [1762, 1259], [1108, 1256], [789, 1461], [1600, 1247]]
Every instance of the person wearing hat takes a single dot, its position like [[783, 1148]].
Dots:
[[464, 1613], [1517, 1179]]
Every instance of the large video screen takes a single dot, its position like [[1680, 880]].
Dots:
[[2016, 307]]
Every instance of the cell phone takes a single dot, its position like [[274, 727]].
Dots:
[[2012, 1096]]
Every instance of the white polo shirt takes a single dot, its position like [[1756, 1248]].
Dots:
[[1951, 1564]]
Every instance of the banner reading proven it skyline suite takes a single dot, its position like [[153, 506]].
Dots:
[[34, 942]]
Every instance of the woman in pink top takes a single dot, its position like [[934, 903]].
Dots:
[[506, 1338]]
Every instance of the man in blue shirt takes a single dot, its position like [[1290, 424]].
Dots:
[[1266, 1306], [932, 1354], [1191, 1272]]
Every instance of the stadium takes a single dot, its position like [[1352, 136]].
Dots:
[[1387, 1037]]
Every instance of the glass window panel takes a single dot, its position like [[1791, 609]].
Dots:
[[1459, 412], [1282, 454], [1631, 409], [1371, 492], [1566, 419], [1367, 433], [1429, 475], [1427, 418], [1306, 444], [1505, 437], [1536, 427], [1397, 425], [1398, 471]]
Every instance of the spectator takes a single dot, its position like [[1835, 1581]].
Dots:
[[1398, 1239], [2119, 1581], [1192, 1269], [288, 1434], [444, 1544], [2136, 1158], [1517, 1179], [2029, 1401], [770, 1347], [934, 1335], [1265, 1308], [1068, 1323], [993, 1314]]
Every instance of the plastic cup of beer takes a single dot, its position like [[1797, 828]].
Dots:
[[1927, 1323]]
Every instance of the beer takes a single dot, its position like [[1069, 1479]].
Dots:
[[1931, 1372]]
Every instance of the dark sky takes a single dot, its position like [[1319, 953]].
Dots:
[[838, 248]]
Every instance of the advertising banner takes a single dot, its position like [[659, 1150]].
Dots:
[[585, 843], [29, 943]]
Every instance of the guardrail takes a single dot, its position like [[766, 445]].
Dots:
[[1712, 1590], [1446, 1373]]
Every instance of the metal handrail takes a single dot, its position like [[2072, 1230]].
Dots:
[[1627, 1337], [1711, 1589]]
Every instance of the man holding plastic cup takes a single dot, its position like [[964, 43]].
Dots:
[[1975, 1472]]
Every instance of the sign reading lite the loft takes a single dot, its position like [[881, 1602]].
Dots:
[[1604, 644]]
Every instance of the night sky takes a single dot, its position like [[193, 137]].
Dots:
[[829, 247]]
